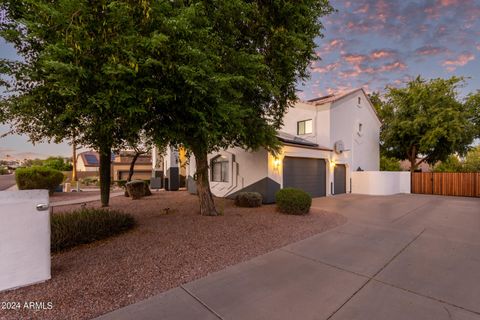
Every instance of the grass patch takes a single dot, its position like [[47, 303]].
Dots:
[[82, 226]]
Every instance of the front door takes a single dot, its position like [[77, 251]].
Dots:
[[340, 179]]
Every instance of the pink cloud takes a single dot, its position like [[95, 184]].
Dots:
[[382, 54], [447, 3], [430, 50], [478, 47], [334, 44], [393, 66], [355, 59], [327, 68], [460, 60]]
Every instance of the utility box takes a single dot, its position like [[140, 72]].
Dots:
[[24, 238]]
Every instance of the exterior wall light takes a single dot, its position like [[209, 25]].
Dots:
[[333, 163], [276, 163]]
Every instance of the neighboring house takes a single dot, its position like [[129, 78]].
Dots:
[[324, 140], [423, 167], [88, 161], [121, 166], [88, 164]]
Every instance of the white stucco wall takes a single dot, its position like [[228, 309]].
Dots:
[[364, 148], [245, 168], [320, 117], [24, 238], [380, 182]]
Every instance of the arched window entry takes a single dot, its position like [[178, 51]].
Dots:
[[219, 168]]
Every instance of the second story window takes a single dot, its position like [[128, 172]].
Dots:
[[304, 127]]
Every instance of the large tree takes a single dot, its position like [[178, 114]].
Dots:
[[77, 76], [227, 71], [426, 121]]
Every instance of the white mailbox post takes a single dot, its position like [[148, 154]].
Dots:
[[24, 238]]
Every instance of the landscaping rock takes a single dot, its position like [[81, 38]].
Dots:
[[136, 189], [248, 199], [147, 190]]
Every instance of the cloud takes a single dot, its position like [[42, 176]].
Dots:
[[333, 45], [429, 50], [355, 59], [382, 54], [327, 68], [478, 47], [461, 60]]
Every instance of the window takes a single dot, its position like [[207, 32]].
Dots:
[[304, 127], [359, 100], [219, 167], [360, 128]]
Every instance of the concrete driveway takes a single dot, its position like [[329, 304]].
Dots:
[[398, 257]]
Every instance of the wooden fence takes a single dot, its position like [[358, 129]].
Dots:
[[446, 183]]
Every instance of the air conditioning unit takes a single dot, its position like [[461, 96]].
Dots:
[[339, 147]]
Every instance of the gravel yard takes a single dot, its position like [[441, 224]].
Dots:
[[172, 245]]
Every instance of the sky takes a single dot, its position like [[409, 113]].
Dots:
[[367, 43]]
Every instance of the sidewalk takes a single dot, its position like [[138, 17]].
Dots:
[[84, 199]]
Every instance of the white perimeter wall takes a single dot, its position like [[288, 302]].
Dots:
[[24, 238], [380, 182]]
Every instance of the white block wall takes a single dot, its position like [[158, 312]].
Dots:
[[24, 238], [380, 182]]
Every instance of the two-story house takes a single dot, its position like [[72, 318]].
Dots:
[[324, 140]]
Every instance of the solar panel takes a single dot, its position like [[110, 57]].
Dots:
[[91, 159]]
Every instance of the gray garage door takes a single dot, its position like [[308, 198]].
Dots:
[[339, 179], [306, 174]]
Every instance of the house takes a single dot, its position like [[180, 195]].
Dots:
[[121, 166], [324, 140], [88, 164], [88, 161]]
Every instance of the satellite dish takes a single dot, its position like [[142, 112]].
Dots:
[[339, 147]]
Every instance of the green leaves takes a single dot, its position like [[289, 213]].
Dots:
[[425, 119]]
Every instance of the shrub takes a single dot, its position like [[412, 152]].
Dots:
[[38, 178], [90, 181], [87, 225], [248, 199], [293, 201]]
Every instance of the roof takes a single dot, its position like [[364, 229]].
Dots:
[[332, 97], [293, 140], [90, 158], [335, 97]]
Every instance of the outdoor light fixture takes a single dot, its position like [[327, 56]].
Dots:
[[276, 163], [333, 163]]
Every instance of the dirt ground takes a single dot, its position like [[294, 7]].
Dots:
[[171, 245]]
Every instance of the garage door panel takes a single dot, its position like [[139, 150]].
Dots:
[[306, 174]]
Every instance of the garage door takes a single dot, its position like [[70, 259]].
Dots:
[[339, 179], [306, 174]]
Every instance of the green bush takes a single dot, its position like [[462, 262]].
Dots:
[[248, 199], [57, 163], [90, 181], [87, 225], [120, 183], [293, 201], [38, 178], [3, 170]]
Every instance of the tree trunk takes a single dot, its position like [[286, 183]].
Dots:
[[105, 163], [74, 164], [412, 157], [132, 166], [207, 205]]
